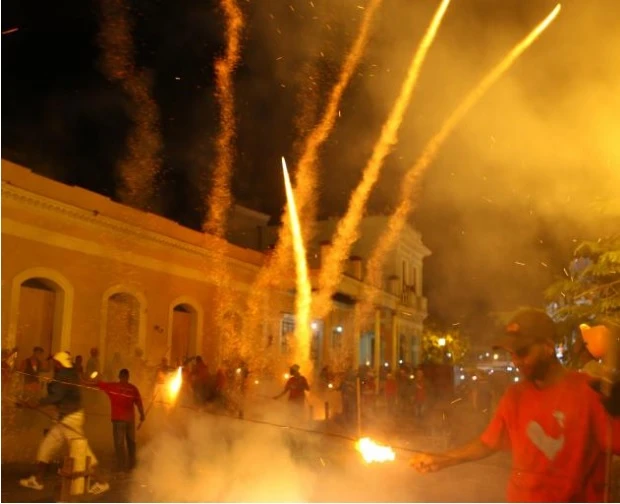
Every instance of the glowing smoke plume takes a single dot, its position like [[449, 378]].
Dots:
[[410, 183], [303, 295], [220, 197], [347, 230], [306, 180], [139, 168]]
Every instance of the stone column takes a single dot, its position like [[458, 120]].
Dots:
[[395, 341], [377, 363]]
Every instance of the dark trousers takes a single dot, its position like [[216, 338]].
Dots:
[[124, 432]]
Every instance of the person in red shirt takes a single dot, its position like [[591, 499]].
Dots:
[[123, 397], [554, 423], [296, 386]]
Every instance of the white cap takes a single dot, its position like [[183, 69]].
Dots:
[[64, 359]]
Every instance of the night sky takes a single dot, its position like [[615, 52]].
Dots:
[[521, 180]]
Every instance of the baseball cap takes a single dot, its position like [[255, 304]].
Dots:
[[526, 327], [64, 359]]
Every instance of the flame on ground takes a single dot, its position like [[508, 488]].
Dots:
[[373, 452], [174, 384]]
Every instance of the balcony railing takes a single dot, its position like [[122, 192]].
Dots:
[[410, 298]]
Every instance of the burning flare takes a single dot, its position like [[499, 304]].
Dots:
[[410, 183], [347, 231], [303, 296], [174, 384], [373, 452], [220, 197]]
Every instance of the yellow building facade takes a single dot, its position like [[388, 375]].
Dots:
[[81, 271]]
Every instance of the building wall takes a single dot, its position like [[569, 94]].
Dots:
[[87, 248], [92, 248]]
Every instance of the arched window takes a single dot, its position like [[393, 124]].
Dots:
[[123, 327]]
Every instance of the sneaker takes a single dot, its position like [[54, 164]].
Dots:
[[98, 488], [31, 483]]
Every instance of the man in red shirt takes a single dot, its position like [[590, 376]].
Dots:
[[296, 386], [123, 397], [553, 422]]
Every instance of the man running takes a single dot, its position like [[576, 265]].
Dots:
[[64, 393]]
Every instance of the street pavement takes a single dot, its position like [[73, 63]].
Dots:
[[320, 467]]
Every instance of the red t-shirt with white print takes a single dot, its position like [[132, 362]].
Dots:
[[558, 437]]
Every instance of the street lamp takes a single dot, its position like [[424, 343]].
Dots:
[[441, 342]]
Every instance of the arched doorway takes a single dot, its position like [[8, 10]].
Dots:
[[40, 311], [122, 332], [185, 329]]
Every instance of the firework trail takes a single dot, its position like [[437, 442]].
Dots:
[[410, 183], [306, 180], [306, 177], [347, 231], [140, 166], [220, 198], [303, 294]]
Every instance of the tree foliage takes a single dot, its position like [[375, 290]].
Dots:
[[591, 287], [454, 351]]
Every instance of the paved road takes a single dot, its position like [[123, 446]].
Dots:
[[329, 471], [192, 457]]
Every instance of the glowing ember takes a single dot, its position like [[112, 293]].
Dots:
[[174, 385], [373, 452], [303, 296]]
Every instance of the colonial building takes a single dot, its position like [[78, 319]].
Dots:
[[400, 309], [80, 271]]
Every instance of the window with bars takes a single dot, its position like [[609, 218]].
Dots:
[[287, 329]]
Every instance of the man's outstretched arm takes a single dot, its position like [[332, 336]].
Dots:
[[474, 450]]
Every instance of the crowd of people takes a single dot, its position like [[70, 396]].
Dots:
[[561, 425]]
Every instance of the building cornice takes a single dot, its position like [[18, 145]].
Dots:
[[12, 194]]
